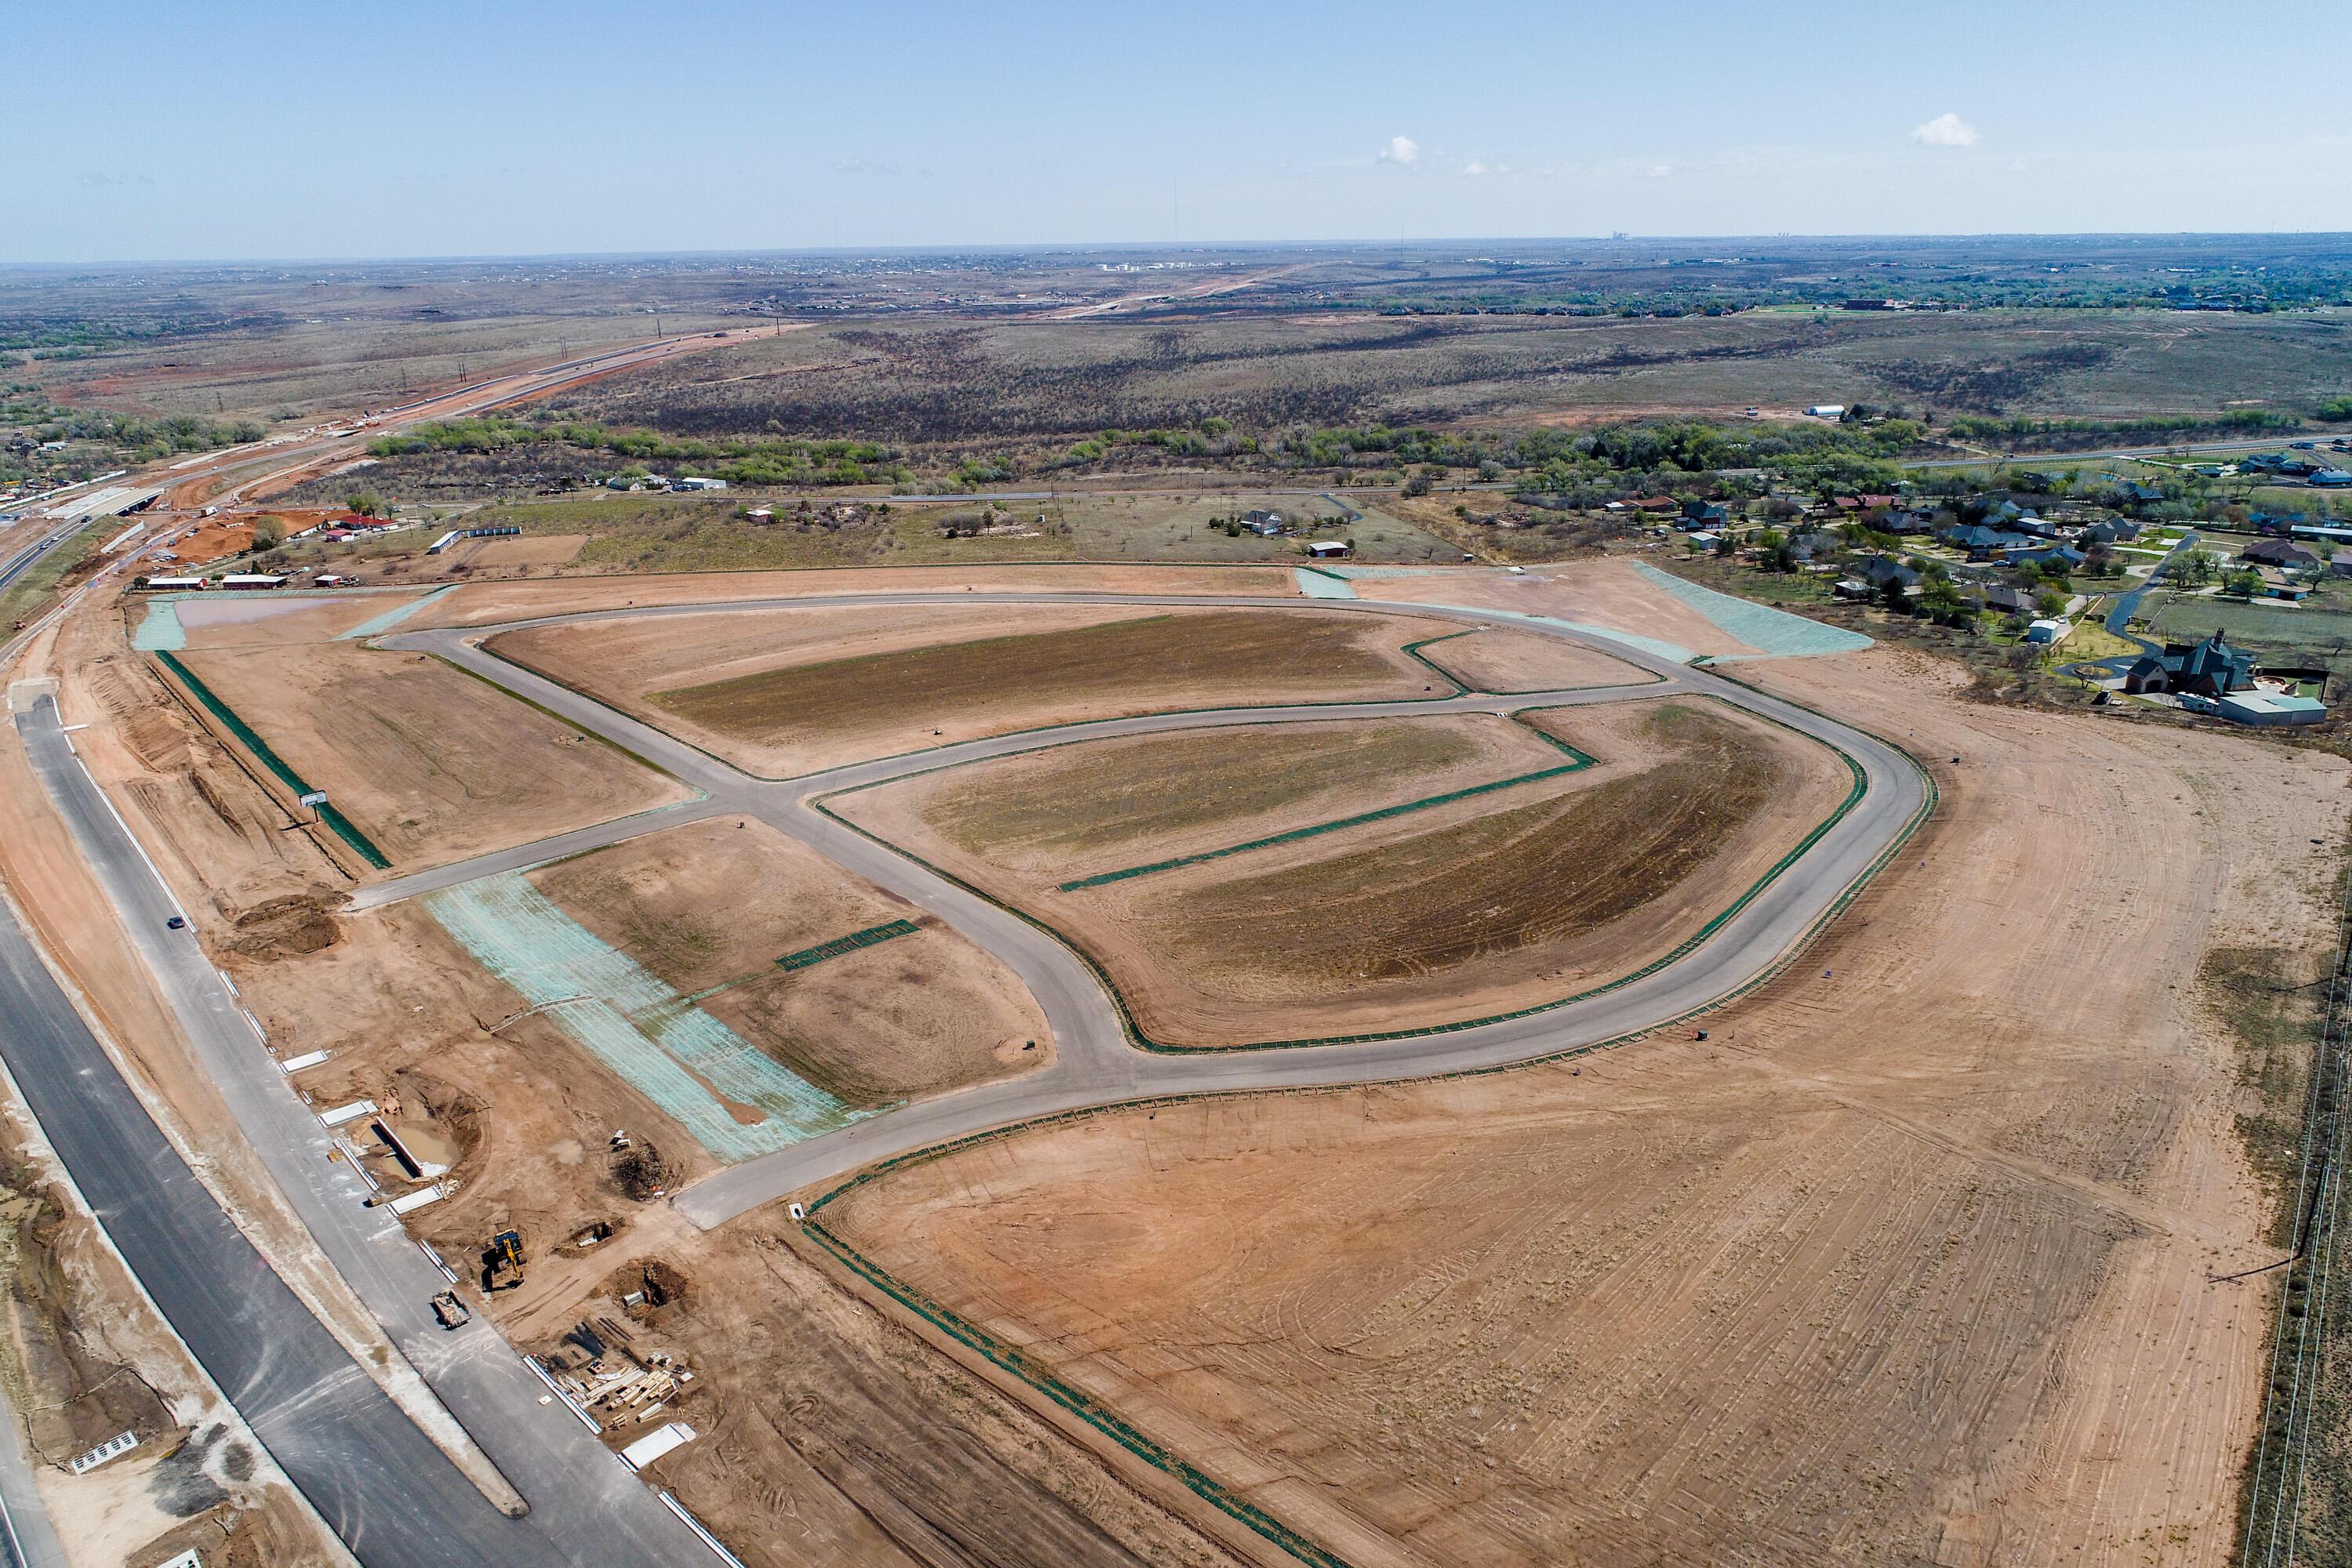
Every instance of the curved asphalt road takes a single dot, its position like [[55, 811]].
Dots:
[[1094, 1064]]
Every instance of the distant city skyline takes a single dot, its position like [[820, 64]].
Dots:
[[148, 132]]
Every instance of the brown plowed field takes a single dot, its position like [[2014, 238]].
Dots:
[[1599, 593], [488, 604], [1497, 659], [790, 691], [715, 903], [1906, 1264], [432, 765], [1099, 806], [1467, 909]]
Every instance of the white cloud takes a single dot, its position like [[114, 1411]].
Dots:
[[865, 166], [1401, 150], [1660, 171], [1477, 166], [1945, 131]]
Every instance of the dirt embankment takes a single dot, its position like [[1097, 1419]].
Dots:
[[1908, 1260]]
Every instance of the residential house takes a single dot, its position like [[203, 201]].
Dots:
[[1877, 570], [2284, 553], [2209, 669]]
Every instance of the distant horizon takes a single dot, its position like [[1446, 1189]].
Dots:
[[1206, 247]]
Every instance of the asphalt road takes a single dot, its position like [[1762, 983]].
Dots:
[[390, 1494], [28, 1538], [1094, 1064], [26, 558], [585, 1506]]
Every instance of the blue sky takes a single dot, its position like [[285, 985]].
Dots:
[[147, 130]]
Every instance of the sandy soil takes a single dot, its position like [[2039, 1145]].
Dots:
[[430, 763], [1500, 659], [1905, 1264], [1077, 810], [407, 1015], [666, 672], [1290, 941], [488, 603], [717, 904], [273, 620], [1600, 593]]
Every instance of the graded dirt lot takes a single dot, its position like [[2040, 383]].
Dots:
[[1498, 659], [430, 763], [716, 905], [490, 604], [1608, 594], [787, 691], [1099, 806], [271, 620], [1907, 1263], [1469, 908]]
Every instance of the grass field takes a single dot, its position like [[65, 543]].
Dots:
[[1134, 666], [663, 532], [2320, 627]]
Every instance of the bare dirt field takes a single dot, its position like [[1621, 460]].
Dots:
[[1599, 593], [1498, 659], [718, 904], [533, 550], [1906, 1263], [1470, 908], [271, 620], [490, 604], [1096, 807], [432, 765], [789, 692]]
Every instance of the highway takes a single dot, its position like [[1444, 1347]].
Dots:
[[1094, 1062], [392, 1496]]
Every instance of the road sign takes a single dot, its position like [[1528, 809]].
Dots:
[[316, 798]]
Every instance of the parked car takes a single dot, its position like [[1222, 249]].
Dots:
[[177, 922]]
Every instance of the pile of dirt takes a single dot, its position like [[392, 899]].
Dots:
[[285, 927]]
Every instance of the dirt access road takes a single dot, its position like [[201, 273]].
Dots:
[[1096, 1064]]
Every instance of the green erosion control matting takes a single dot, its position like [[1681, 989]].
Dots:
[[160, 629], [842, 944], [1577, 760], [392, 617], [342, 826], [1761, 626], [733, 1098]]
